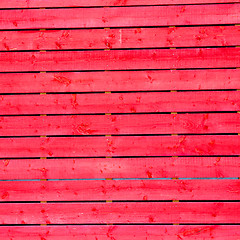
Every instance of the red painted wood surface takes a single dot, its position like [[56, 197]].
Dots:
[[121, 232], [130, 212], [205, 35], [120, 124], [119, 146], [120, 17], [120, 38], [120, 59], [120, 81], [83, 3], [120, 190], [120, 102], [85, 168]]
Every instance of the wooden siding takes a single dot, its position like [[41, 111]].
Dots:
[[119, 119]]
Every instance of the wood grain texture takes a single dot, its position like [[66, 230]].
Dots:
[[120, 146], [81, 172], [120, 190], [120, 102], [120, 59], [120, 17], [83, 3], [120, 124], [130, 212], [120, 38], [85, 168], [123, 232], [120, 81]]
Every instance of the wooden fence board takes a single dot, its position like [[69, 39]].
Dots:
[[120, 59], [120, 190], [120, 17], [120, 124], [82, 3], [85, 168], [121, 232], [129, 212], [119, 146], [120, 102], [120, 38], [120, 81]]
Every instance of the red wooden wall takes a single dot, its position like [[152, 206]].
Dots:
[[119, 119]]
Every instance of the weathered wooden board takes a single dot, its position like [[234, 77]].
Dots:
[[206, 123], [120, 102], [69, 137], [120, 38], [119, 190], [120, 16], [120, 59], [119, 146], [85, 168], [121, 232], [120, 81], [117, 212], [83, 3]]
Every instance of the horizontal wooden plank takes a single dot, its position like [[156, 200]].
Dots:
[[120, 38], [120, 124], [85, 168], [121, 232], [97, 3], [120, 146], [120, 102], [120, 190], [120, 81], [120, 59], [120, 17], [130, 212]]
